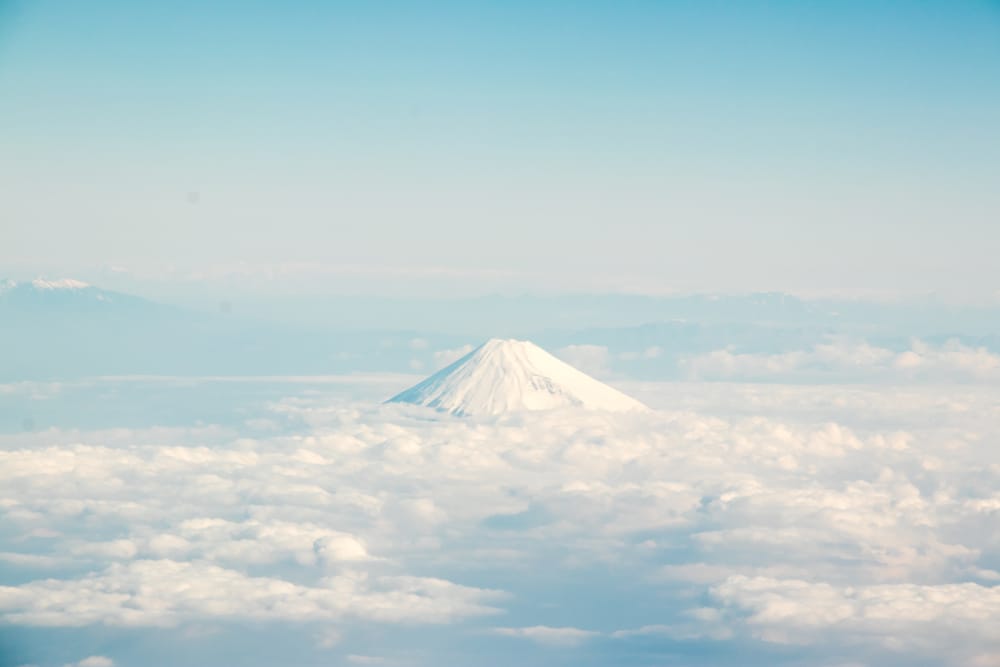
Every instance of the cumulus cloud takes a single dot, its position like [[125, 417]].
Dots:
[[94, 661], [358, 659], [900, 617], [444, 357], [543, 634], [591, 359], [166, 593], [696, 623], [328, 638], [847, 359], [951, 359], [651, 352], [799, 516]]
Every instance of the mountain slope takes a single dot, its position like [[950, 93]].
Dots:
[[66, 296], [511, 375]]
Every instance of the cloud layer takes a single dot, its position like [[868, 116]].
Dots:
[[824, 521], [841, 359]]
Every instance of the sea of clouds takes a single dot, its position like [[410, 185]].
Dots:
[[731, 524]]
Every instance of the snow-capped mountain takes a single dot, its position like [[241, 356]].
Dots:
[[42, 292], [512, 375], [42, 284]]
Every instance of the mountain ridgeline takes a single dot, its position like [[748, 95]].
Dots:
[[63, 329]]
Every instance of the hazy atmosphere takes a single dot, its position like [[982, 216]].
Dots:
[[482, 333]]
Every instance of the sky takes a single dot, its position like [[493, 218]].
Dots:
[[456, 148]]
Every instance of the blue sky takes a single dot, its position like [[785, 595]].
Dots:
[[645, 146]]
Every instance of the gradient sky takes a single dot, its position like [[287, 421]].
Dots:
[[646, 146]]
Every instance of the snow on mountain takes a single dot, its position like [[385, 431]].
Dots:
[[42, 292], [512, 375], [43, 285], [66, 283], [26, 300]]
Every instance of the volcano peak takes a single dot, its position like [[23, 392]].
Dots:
[[507, 375]]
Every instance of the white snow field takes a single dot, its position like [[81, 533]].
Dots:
[[513, 375]]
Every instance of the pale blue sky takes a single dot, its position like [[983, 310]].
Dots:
[[647, 146]]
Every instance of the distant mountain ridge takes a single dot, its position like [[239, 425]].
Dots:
[[42, 294], [60, 328]]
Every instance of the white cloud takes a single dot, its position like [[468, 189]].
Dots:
[[444, 357], [543, 634], [591, 359], [901, 617], [328, 638], [357, 659], [652, 352], [94, 661], [951, 359], [165, 593], [697, 623], [846, 359], [113, 550], [741, 511]]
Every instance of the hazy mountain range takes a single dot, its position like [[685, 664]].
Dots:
[[67, 328]]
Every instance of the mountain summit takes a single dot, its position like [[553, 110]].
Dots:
[[511, 375]]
